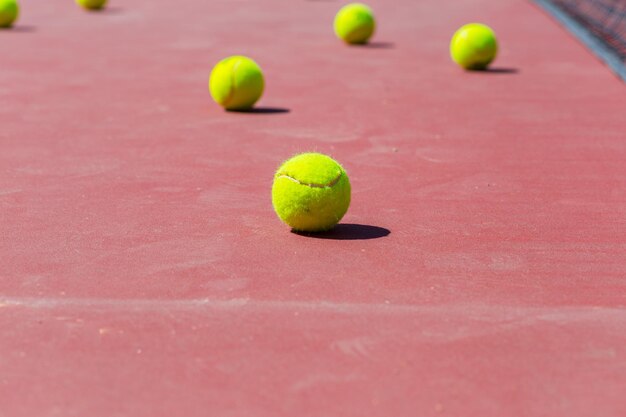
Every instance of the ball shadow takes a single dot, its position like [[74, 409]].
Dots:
[[375, 45], [262, 110], [106, 10], [19, 28], [499, 70], [349, 231]]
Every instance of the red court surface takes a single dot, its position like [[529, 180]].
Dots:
[[480, 270]]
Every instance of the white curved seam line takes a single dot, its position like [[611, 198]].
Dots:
[[312, 185]]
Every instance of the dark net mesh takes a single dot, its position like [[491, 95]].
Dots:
[[604, 19]]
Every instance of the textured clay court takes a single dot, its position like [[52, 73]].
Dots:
[[480, 269]]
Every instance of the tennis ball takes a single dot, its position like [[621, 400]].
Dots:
[[236, 83], [311, 192], [474, 46], [9, 10], [92, 4], [355, 23]]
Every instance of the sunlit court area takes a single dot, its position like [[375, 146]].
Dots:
[[313, 208]]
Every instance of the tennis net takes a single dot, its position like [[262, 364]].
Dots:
[[600, 24]]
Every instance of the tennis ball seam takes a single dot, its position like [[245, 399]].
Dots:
[[232, 90], [331, 184]]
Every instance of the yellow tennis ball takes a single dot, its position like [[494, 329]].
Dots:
[[311, 192], [236, 83], [9, 11], [355, 23], [92, 4], [474, 46]]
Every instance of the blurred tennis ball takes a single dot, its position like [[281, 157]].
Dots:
[[474, 46], [355, 23], [92, 4], [236, 83], [9, 11]]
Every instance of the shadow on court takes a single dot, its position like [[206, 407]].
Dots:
[[375, 45], [19, 28], [350, 231], [262, 110], [500, 70]]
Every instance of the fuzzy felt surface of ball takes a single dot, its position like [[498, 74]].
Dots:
[[311, 192]]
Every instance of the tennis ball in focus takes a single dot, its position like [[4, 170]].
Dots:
[[311, 192], [236, 83], [355, 23], [474, 46], [9, 10]]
